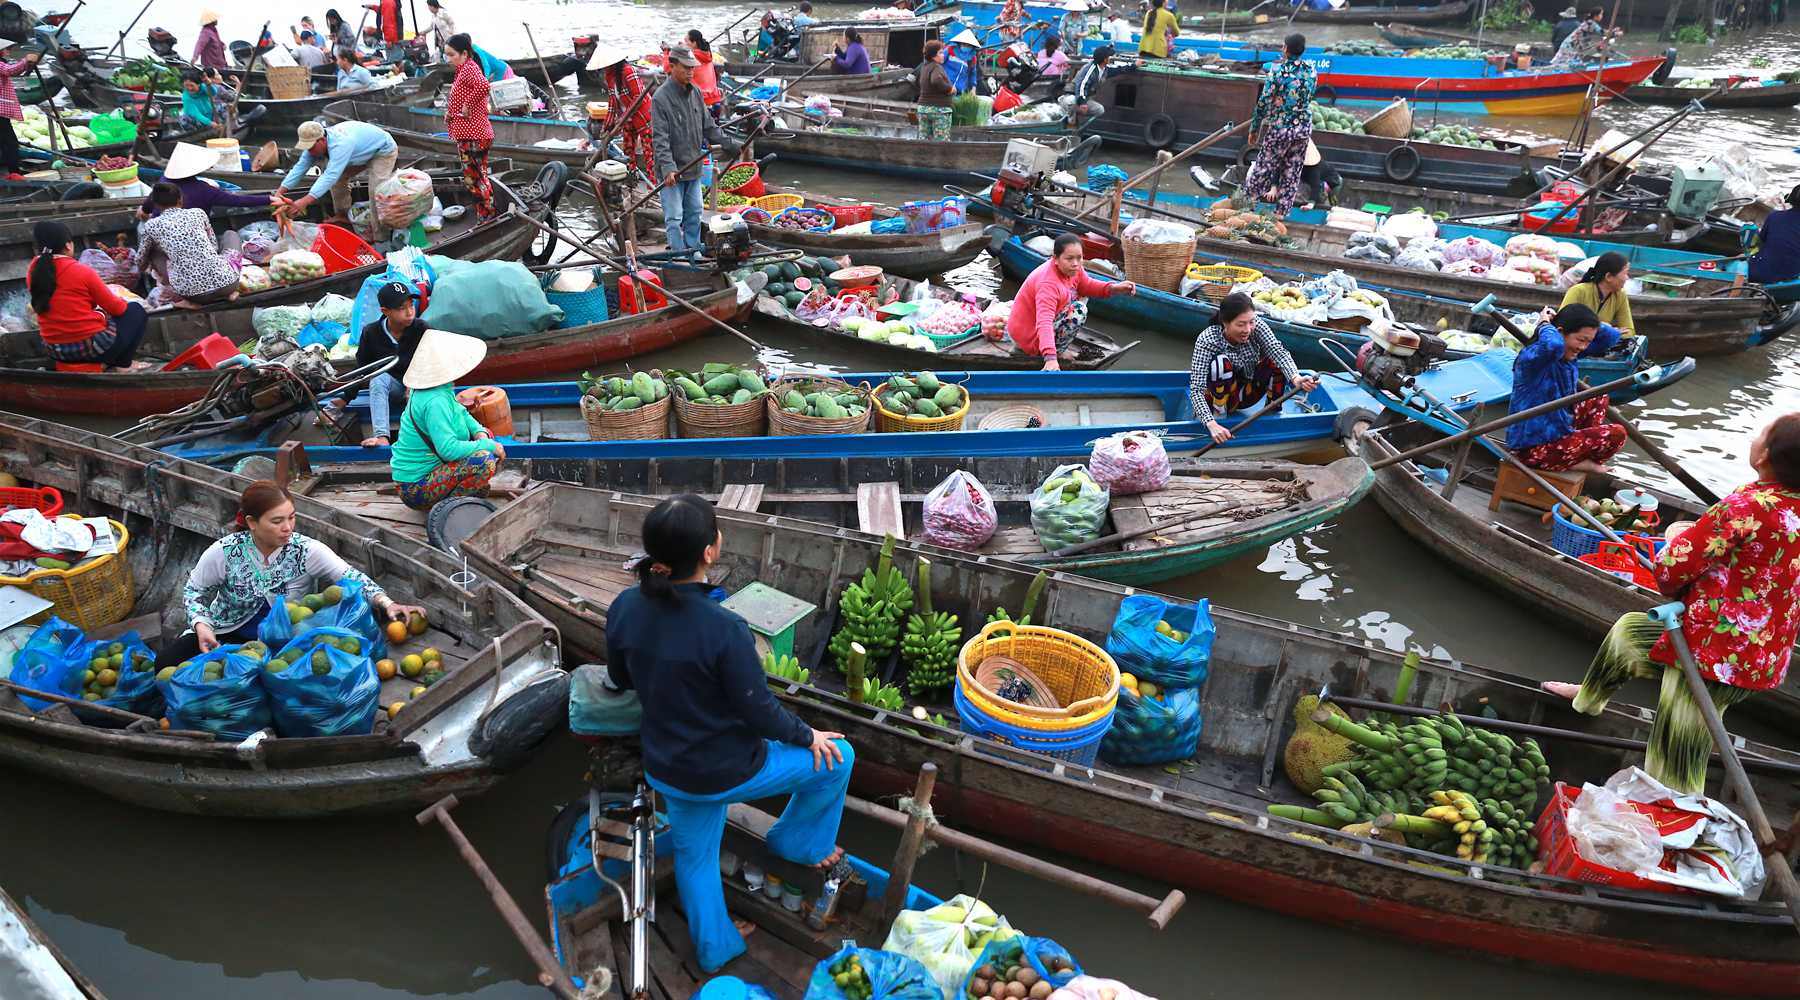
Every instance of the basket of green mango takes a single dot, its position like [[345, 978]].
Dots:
[[719, 400], [920, 402], [803, 405], [629, 407]]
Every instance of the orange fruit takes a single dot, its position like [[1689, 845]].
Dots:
[[416, 623], [163, 723], [384, 669], [396, 632], [411, 665], [395, 708]]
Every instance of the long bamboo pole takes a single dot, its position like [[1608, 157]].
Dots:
[[1223, 132]]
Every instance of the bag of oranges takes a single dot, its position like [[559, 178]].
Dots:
[[342, 605]]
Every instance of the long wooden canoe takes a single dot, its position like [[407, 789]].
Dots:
[[514, 138], [885, 148], [175, 511], [1203, 827], [1744, 95], [276, 113], [31, 964], [1509, 548], [136, 394], [1441, 13]]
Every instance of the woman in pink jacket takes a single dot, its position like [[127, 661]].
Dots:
[[1052, 303]]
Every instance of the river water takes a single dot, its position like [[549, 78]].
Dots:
[[153, 905]]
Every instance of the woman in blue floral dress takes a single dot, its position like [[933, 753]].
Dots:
[[1283, 122]]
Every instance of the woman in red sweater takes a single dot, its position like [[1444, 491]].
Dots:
[[1051, 306], [79, 317]]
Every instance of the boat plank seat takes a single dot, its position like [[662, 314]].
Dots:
[[746, 497], [1182, 496], [618, 844], [590, 579], [878, 510], [1511, 484]]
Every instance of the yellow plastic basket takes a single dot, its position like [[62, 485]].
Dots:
[[888, 422], [87, 596], [772, 203], [1081, 675], [1217, 280]]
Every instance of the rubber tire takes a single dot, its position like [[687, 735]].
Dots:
[[1402, 164], [1159, 131], [1661, 76], [438, 527], [552, 180], [1784, 323], [83, 191], [556, 839], [510, 735], [1247, 156], [1325, 94], [1343, 430]]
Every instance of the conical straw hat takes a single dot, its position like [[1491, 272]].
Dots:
[[442, 358]]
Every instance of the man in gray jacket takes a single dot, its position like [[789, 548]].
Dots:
[[681, 131]]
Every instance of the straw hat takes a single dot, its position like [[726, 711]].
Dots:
[[607, 54], [208, 17], [965, 37], [442, 358], [307, 134], [189, 160], [1568, 12]]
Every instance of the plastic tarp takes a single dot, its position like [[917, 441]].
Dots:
[[490, 299]]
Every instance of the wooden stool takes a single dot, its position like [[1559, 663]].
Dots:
[[1511, 484]]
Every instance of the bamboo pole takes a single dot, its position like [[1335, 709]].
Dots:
[[120, 44], [549, 84], [906, 855], [1223, 132], [1502, 422]]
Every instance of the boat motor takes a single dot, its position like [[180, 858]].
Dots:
[[162, 42], [785, 41], [727, 241], [611, 180], [1694, 188], [1022, 169], [1395, 354]]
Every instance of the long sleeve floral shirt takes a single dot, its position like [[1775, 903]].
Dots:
[[232, 583], [1285, 104], [1738, 571]]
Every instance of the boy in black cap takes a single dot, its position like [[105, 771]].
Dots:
[[395, 334]]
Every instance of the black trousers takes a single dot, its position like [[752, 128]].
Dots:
[[9, 147]]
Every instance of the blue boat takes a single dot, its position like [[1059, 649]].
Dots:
[[1077, 408], [1151, 309]]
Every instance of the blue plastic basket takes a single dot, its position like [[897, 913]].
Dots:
[[1076, 746], [580, 308], [1579, 540]]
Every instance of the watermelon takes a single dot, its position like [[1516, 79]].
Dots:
[[790, 271], [793, 299]]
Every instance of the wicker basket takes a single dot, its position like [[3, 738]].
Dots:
[[289, 83], [783, 423], [1217, 280], [889, 422], [89, 596], [775, 203], [1082, 677], [1392, 122], [1013, 417], [725, 420], [646, 423], [1157, 265]]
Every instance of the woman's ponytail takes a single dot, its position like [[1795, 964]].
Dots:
[[676, 535], [51, 238]]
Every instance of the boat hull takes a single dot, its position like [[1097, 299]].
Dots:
[[418, 128]]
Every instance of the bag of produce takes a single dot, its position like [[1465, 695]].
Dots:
[[342, 605], [292, 266], [1069, 508], [1165, 643], [1095, 988], [1475, 249], [282, 321], [1533, 245], [220, 692], [403, 197], [323, 683], [959, 513], [43, 663], [1542, 271], [1421, 256], [294, 235], [866, 974], [725, 987], [596, 710], [1409, 226], [120, 673], [1129, 463], [1159, 231], [490, 299], [1465, 267], [1153, 729], [946, 938], [254, 279], [1023, 960], [257, 250], [104, 265], [333, 308]]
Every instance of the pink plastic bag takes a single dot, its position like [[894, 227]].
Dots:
[[1130, 462], [959, 513], [1095, 988]]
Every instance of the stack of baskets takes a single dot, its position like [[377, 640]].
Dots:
[[1158, 265], [648, 422], [92, 594], [1217, 280], [1080, 676], [783, 423]]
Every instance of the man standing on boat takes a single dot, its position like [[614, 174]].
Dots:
[[1283, 124], [1238, 361], [341, 152], [681, 133], [1051, 307]]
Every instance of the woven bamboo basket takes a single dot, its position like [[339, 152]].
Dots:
[[1014, 416], [1080, 675], [1157, 265], [1392, 122], [646, 423], [783, 423], [89, 596], [289, 83], [889, 422], [1217, 280], [726, 420]]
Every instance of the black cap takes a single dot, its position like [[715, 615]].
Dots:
[[1103, 52], [394, 294]]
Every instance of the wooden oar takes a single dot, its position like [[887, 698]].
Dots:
[[1781, 874], [230, 122], [549, 84], [1223, 132]]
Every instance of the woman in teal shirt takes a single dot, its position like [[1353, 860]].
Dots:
[[441, 451], [197, 98]]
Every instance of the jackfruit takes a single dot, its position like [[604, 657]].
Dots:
[[1313, 747]]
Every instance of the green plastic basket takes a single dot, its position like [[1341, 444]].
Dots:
[[108, 130]]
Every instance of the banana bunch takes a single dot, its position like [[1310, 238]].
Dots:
[[1032, 593], [930, 645], [1459, 811], [873, 608], [1345, 798], [786, 668]]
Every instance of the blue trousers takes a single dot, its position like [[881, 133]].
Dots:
[[681, 205], [805, 834], [384, 391]]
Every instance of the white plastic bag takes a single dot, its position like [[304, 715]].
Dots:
[[959, 513], [290, 266], [333, 308], [1409, 226], [403, 198], [283, 321], [1607, 831], [253, 279], [1706, 846], [946, 938], [1130, 462], [1095, 988], [1159, 231]]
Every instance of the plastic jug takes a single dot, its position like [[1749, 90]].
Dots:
[[490, 408]]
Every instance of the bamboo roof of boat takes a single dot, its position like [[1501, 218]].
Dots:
[[1203, 824], [174, 511]]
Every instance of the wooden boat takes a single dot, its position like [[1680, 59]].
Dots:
[[1202, 826], [31, 965], [1166, 312], [888, 84], [1077, 408], [28, 384], [910, 255], [163, 142], [1090, 350], [514, 138], [1441, 13], [175, 511], [1510, 547], [1230, 21], [1418, 36], [886, 148], [276, 113], [1744, 95]]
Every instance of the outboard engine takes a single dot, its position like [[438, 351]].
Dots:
[[787, 40], [162, 42], [727, 241], [1395, 354]]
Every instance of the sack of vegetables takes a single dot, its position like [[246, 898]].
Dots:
[[866, 974], [342, 605], [1069, 508], [1027, 961], [959, 513], [946, 938], [1153, 729], [1166, 644], [1130, 462]]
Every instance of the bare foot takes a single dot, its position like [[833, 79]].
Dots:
[[837, 854], [375, 442], [744, 927], [1588, 465], [182, 304], [1561, 689]]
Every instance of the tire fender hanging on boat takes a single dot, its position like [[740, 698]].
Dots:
[[1784, 323], [82, 191], [1661, 76], [508, 735], [1247, 155], [1401, 164], [552, 178], [1159, 131]]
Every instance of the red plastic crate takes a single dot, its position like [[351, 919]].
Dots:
[[47, 499], [850, 215], [208, 354], [1556, 849]]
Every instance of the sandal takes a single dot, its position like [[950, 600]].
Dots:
[[375, 442]]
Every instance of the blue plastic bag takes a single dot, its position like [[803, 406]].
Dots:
[[323, 334], [732, 988], [352, 611], [1147, 731], [44, 664], [328, 690], [1139, 649], [1051, 961], [136, 690], [892, 976], [234, 706]]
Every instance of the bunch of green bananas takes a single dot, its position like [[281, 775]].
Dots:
[[1032, 593], [930, 645], [787, 668], [873, 608], [884, 696]]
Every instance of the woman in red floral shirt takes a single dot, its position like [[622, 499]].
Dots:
[[467, 117], [1738, 571], [624, 84]]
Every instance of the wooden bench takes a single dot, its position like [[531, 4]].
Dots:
[[742, 497], [1511, 484], [878, 510]]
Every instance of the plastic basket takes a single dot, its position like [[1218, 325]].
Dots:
[[850, 215], [943, 340], [343, 250], [1217, 280], [1579, 540], [646, 423], [1077, 746], [820, 220], [1557, 853], [89, 596], [123, 175], [774, 204], [751, 188], [1617, 560], [889, 422], [47, 499], [579, 308], [1083, 676]]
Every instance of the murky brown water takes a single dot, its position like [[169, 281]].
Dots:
[[152, 905]]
